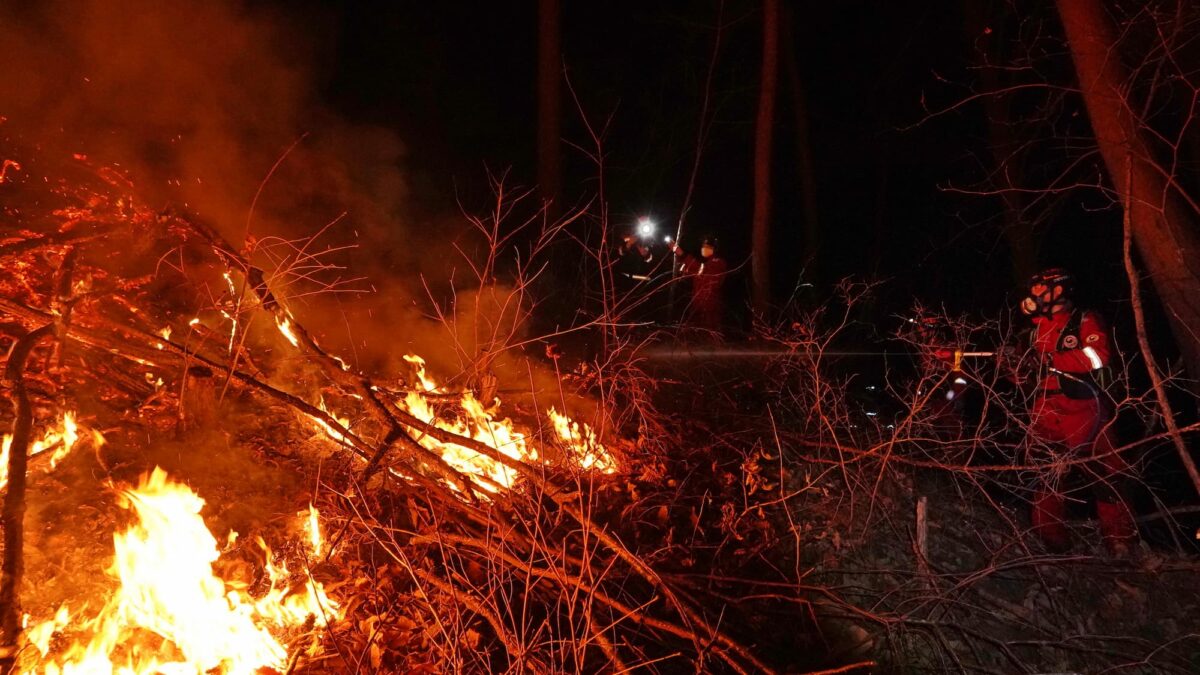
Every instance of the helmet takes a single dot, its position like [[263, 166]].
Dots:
[[712, 243], [1058, 287]]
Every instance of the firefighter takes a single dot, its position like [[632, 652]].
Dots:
[[706, 307], [634, 267], [633, 258], [1072, 410]]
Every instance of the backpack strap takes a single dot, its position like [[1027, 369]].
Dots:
[[1069, 337]]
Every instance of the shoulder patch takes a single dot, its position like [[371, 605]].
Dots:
[[1070, 342], [1094, 337]]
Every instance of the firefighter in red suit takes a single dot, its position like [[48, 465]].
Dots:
[[706, 308], [1072, 411]]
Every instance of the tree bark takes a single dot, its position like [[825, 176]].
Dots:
[[1139, 318], [764, 127], [549, 88], [1164, 229], [14, 498]]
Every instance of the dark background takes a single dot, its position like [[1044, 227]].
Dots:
[[457, 81], [894, 132]]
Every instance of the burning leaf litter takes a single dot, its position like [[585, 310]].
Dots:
[[171, 612], [478, 423]]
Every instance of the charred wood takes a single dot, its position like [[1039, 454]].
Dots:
[[14, 497]]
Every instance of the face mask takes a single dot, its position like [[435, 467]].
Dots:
[[1044, 303]]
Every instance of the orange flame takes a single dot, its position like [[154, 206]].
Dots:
[[329, 430], [582, 440], [477, 423], [61, 439], [285, 327], [171, 614], [313, 525]]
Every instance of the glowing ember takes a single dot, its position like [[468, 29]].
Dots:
[[171, 614], [232, 329], [8, 164]]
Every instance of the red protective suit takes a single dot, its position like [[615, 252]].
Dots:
[[1071, 411], [707, 307]]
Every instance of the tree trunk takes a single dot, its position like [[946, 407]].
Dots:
[[811, 239], [13, 566], [549, 87], [1008, 161], [1164, 228], [764, 126]]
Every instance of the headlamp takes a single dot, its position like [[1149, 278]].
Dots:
[[645, 228]]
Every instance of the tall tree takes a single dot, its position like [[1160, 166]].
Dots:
[[764, 127], [1162, 216], [985, 29], [549, 93], [811, 238]]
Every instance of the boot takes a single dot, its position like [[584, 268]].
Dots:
[[1049, 511], [1117, 529]]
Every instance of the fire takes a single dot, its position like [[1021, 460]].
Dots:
[[171, 614], [60, 439], [330, 431], [477, 423], [232, 329], [285, 327], [313, 525], [8, 164], [580, 437]]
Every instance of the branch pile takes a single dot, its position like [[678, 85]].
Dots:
[[521, 577]]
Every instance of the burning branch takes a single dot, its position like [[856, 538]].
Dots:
[[14, 498], [512, 558]]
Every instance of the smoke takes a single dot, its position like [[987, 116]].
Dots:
[[214, 107], [192, 97], [198, 100]]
